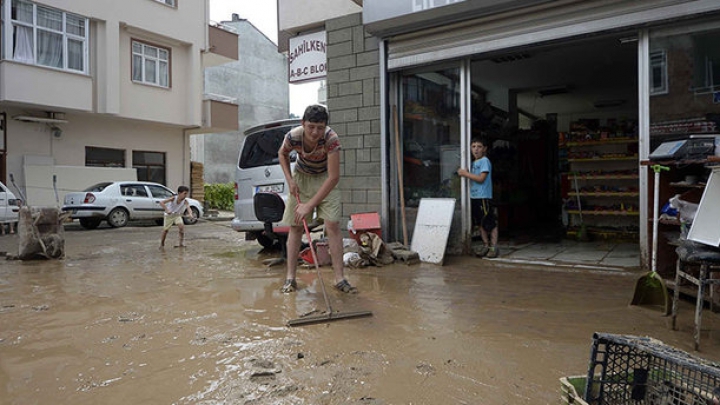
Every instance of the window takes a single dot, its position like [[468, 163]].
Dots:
[[45, 36], [708, 60], [133, 190], [658, 72], [260, 148], [150, 64], [2, 29], [170, 3], [150, 166], [104, 157], [160, 192]]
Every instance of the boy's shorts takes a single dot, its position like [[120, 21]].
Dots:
[[328, 210], [172, 219], [483, 213]]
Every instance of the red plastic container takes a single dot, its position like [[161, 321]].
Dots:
[[365, 222]]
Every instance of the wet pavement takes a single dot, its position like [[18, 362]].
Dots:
[[118, 321]]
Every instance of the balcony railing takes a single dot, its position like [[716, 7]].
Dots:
[[219, 114], [222, 45]]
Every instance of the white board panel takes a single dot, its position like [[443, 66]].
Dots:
[[432, 228], [706, 225], [39, 185]]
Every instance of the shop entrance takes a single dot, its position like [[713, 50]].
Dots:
[[561, 121]]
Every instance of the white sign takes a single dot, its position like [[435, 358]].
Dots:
[[307, 57]]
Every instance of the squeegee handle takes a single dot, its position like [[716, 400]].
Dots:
[[315, 260], [656, 206]]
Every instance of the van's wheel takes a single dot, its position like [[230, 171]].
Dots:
[[89, 223], [117, 218], [264, 240], [194, 219]]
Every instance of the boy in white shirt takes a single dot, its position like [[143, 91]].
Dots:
[[174, 208]]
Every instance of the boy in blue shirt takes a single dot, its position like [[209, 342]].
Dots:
[[483, 212]]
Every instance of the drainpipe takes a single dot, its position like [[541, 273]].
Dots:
[[384, 125]]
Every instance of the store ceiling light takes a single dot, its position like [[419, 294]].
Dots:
[[628, 40], [512, 58], [551, 91]]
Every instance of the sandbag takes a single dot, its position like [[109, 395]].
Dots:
[[374, 250]]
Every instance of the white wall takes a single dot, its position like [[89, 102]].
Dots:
[[294, 14], [35, 141], [40, 191]]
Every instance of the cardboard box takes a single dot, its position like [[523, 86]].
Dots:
[[364, 222]]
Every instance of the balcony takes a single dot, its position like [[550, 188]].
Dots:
[[44, 88], [219, 114], [222, 46]]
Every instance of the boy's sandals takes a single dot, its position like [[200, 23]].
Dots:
[[289, 286], [345, 287], [493, 253], [482, 252]]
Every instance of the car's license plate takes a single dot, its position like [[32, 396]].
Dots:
[[270, 188]]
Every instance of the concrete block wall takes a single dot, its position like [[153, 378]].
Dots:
[[353, 98]]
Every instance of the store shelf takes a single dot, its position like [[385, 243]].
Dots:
[[606, 234], [667, 221], [687, 185], [604, 212], [605, 177], [596, 142], [605, 194], [602, 159]]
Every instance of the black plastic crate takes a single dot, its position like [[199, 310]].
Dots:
[[644, 371]]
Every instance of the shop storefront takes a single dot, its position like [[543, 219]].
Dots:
[[572, 98]]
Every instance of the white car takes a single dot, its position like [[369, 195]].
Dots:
[[122, 201], [9, 206]]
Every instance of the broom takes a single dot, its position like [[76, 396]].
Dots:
[[582, 234]]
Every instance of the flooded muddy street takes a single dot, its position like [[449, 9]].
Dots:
[[120, 322]]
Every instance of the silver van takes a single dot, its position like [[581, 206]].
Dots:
[[258, 170]]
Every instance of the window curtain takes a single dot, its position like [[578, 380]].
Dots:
[[75, 48], [23, 46], [75, 55], [49, 42], [50, 49]]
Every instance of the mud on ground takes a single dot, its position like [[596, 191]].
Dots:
[[120, 322]]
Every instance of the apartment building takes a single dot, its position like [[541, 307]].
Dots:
[[257, 83], [95, 91]]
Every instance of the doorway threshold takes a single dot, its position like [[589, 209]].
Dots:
[[573, 255]]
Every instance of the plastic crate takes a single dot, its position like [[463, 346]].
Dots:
[[571, 389], [632, 370], [365, 222]]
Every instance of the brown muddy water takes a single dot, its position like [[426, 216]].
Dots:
[[120, 322]]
